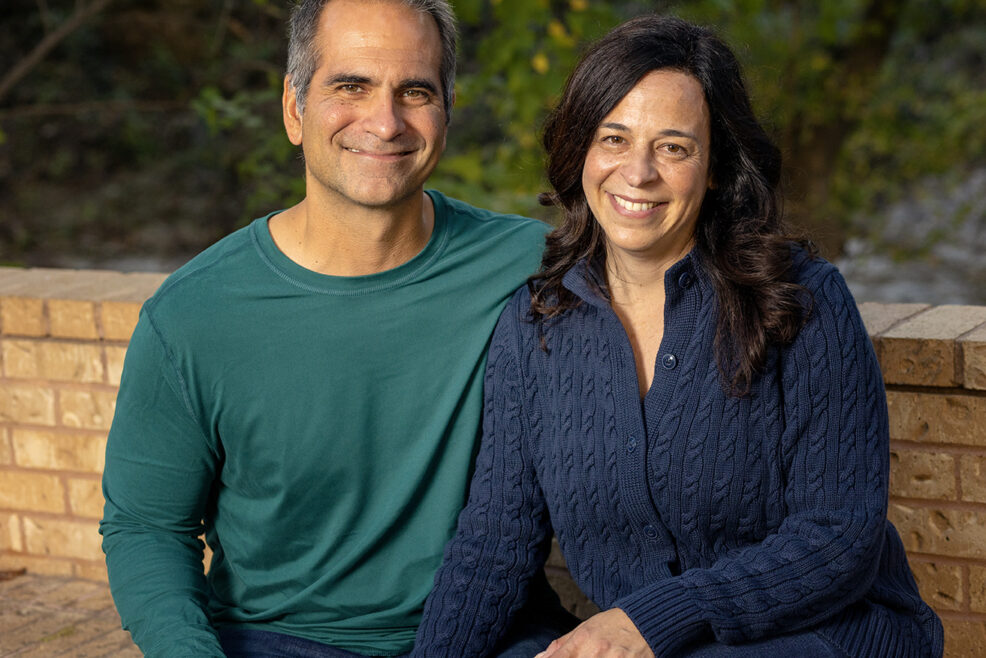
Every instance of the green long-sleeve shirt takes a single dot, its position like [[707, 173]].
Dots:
[[318, 429]]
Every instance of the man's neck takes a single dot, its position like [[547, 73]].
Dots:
[[356, 242]]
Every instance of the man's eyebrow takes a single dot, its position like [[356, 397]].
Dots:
[[416, 83], [347, 78]]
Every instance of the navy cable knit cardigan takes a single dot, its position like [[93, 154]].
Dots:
[[695, 512]]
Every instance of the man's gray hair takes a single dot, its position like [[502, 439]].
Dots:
[[303, 54]]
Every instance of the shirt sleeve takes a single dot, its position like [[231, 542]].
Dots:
[[159, 470], [826, 552], [503, 532]]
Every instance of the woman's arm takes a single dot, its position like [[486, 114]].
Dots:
[[503, 532]]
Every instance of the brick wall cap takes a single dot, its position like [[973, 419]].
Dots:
[[940, 323], [879, 317]]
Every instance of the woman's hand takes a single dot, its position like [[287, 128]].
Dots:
[[609, 634]]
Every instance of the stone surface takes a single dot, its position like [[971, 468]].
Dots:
[[63, 450], [69, 539], [114, 364], [31, 405], [921, 350], [878, 318], [937, 418], [972, 470], [72, 318], [964, 639], [921, 474], [22, 316], [119, 319], [940, 584], [977, 588], [35, 492], [87, 409], [10, 533], [85, 497], [46, 616], [973, 346], [55, 361], [957, 533], [6, 448]]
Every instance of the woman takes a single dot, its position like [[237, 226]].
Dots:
[[687, 397]]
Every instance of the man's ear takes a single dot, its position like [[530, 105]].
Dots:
[[292, 115]]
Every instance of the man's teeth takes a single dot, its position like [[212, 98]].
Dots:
[[632, 206]]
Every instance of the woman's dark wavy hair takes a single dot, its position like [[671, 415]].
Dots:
[[740, 237]]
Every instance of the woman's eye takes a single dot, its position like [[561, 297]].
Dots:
[[612, 139]]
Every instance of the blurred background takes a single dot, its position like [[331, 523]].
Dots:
[[133, 133]]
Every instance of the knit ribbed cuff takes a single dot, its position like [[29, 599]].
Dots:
[[666, 615]]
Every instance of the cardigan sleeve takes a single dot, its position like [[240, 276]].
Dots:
[[825, 553], [503, 532]]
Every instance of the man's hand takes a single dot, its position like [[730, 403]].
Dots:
[[609, 634]]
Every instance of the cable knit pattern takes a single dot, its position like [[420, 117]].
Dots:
[[698, 514]]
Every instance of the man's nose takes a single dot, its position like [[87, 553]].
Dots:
[[385, 119]]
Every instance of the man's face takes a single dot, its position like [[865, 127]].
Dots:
[[373, 126]]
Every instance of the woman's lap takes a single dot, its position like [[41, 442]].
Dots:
[[808, 644]]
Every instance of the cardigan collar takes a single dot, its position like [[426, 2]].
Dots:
[[588, 284]]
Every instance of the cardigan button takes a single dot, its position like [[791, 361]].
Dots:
[[685, 280], [650, 531], [669, 361], [631, 444]]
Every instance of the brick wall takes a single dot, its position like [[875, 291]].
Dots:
[[63, 335]]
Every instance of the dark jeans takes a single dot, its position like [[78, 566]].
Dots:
[[807, 644], [537, 624]]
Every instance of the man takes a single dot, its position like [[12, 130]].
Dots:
[[307, 391]]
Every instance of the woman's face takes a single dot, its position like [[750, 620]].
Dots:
[[647, 169]]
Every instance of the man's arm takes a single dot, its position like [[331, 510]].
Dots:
[[160, 467]]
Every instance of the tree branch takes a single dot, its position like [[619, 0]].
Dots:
[[82, 13]]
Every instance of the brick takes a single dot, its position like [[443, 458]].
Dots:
[[10, 533], [22, 316], [964, 639], [920, 474], [30, 405], [85, 497], [940, 584], [114, 364], [937, 418], [37, 565], [880, 317], [921, 350], [72, 318], [36, 492], [940, 531], [977, 588], [973, 347], [60, 450], [70, 539], [79, 362], [972, 471], [119, 319], [94, 571], [6, 450], [87, 409]]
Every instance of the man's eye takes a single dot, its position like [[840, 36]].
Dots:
[[350, 88]]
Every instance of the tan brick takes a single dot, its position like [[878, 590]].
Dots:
[[44, 566], [22, 316], [977, 588], [973, 347], [921, 350], [114, 364], [72, 318], [972, 471], [79, 362], [940, 584], [937, 418], [87, 409], [60, 450], [940, 531], [10, 533], [964, 639], [879, 317], [31, 405], [85, 497], [920, 474], [93, 570], [119, 319], [36, 492], [71, 539], [6, 449]]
